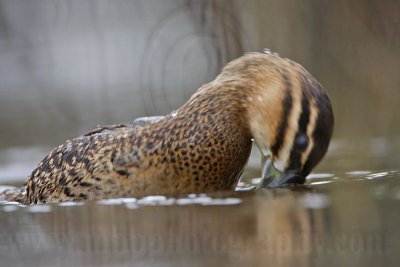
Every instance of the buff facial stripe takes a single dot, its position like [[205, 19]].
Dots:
[[301, 141], [287, 107]]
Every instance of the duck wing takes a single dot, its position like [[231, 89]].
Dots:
[[87, 167]]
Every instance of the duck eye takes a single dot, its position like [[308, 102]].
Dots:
[[301, 142]]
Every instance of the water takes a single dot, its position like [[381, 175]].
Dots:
[[346, 220], [68, 66]]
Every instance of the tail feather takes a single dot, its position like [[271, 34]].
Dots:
[[12, 194]]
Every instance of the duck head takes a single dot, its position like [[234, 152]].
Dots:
[[289, 114]]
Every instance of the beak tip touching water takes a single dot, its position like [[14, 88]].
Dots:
[[273, 178], [286, 179]]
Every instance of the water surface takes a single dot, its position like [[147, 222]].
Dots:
[[347, 220]]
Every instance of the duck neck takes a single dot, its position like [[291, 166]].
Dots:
[[219, 106]]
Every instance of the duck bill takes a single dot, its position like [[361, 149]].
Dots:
[[273, 178], [291, 177]]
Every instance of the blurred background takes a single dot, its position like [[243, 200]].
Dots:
[[69, 65]]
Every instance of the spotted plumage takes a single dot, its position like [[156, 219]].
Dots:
[[201, 147]]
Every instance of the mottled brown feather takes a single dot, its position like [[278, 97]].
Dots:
[[201, 147]]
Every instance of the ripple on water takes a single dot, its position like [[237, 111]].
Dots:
[[320, 182], [191, 199], [117, 201], [208, 201], [319, 176], [358, 173], [6, 187], [70, 204], [377, 175], [152, 200], [315, 201], [224, 201], [39, 208], [10, 208]]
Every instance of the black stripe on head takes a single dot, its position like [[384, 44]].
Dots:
[[301, 141], [287, 107], [323, 127]]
